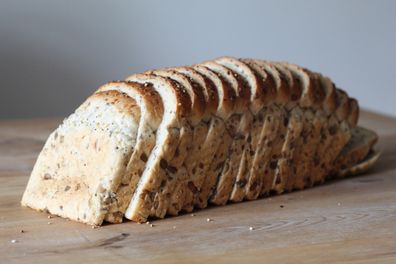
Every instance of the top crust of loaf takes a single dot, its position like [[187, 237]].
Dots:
[[343, 105], [291, 80], [209, 90], [179, 102], [266, 80], [252, 80], [354, 112], [145, 93], [225, 93], [242, 99], [330, 99], [196, 94], [282, 88]]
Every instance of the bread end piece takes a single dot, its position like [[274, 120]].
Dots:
[[358, 155]]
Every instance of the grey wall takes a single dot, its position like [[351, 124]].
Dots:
[[55, 53]]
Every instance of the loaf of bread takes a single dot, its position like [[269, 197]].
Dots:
[[176, 139]]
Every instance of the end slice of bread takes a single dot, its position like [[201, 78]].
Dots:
[[357, 156], [83, 161]]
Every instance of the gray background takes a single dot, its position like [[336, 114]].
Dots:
[[53, 54]]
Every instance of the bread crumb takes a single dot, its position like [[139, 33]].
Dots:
[[49, 217], [209, 220], [251, 228], [192, 214], [151, 225], [49, 223], [22, 231], [13, 241], [148, 222]]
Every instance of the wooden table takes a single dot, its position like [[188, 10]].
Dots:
[[352, 220]]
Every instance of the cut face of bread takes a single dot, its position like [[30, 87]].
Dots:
[[151, 110], [84, 160], [238, 127], [185, 185], [150, 197], [252, 123], [175, 139], [218, 139]]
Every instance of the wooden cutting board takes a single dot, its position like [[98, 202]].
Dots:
[[351, 220]]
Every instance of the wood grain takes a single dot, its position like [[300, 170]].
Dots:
[[352, 220]]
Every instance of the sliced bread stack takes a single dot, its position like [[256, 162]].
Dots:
[[176, 139]]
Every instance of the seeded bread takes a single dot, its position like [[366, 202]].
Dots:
[[356, 150], [238, 127], [177, 105], [84, 160], [175, 139], [252, 80], [151, 110], [183, 186], [218, 134]]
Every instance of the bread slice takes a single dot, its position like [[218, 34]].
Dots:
[[205, 141], [238, 127], [356, 150], [252, 81], [183, 185], [310, 101], [294, 118], [152, 194], [273, 132], [265, 134], [83, 161], [362, 167], [218, 140], [151, 110], [334, 135]]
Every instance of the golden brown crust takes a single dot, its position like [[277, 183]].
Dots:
[[248, 79], [196, 94], [182, 105], [354, 112], [149, 96], [225, 93], [343, 105], [266, 82], [330, 100], [242, 92], [282, 88], [205, 84]]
